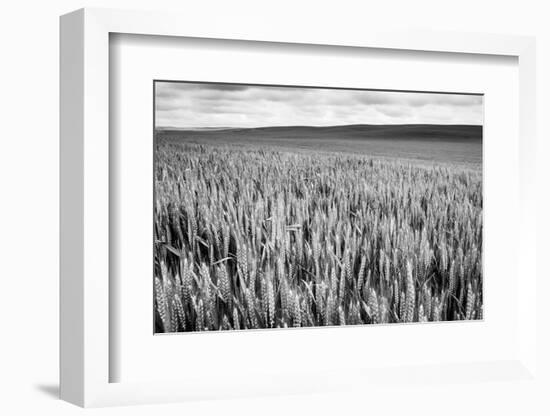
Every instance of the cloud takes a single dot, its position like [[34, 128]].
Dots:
[[182, 104], [452, 100], [395, 111]]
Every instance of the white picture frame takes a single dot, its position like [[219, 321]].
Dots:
[[85, 164]]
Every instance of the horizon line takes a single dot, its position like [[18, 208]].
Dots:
[[318, 126]]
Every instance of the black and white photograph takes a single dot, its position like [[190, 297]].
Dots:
[[289, 206]]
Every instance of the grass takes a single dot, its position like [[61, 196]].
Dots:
[[266, 237]]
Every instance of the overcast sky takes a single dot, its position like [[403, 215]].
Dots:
[[233, 105]]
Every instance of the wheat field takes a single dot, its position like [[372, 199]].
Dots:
[[250, 238]]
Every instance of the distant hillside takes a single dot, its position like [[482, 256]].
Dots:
[[456, 144], [357, 131]]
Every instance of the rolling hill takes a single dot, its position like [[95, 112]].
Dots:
[[427, 142]]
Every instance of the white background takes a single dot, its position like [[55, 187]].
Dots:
[[29, 209]]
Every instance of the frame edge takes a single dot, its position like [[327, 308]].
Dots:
[[71, 202]]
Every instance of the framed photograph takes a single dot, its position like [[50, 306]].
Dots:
[[307, 213], [291, 207]]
